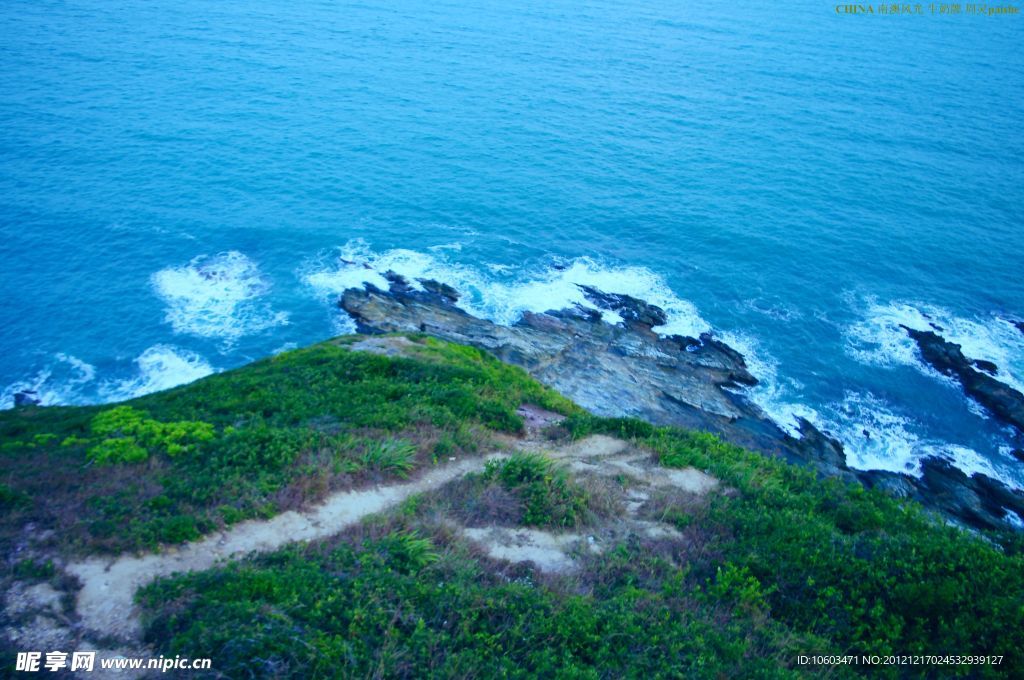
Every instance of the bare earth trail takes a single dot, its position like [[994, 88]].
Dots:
[[105, 607], [105, 602]]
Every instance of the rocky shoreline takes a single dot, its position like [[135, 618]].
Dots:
[[974, 375], [627, 369]]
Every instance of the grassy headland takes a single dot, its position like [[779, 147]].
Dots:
[[779, 564]]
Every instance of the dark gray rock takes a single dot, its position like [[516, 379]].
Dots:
[[1018, 454], [895, 484], [978, 500], [985, 365], [438, 288], [631, 309], [1004, 402], [27, 398]]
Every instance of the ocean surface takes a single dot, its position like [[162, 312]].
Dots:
[[181, 185]]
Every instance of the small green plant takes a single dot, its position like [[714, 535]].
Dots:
[[11, 499], [390, 455], [738, 585], [34, 570], [548, 496], [408, 551]]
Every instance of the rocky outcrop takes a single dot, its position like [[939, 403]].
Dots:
[[611, 370], [1004, 402], [627, 369], [26, 398]]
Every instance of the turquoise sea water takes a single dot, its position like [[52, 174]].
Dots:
[[179, 183]]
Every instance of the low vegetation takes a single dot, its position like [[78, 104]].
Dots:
[[526, 489], [269, 437], [777, 565]]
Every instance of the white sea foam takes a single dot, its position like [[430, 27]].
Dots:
[[878, 339], [446, 246], [502, 294], [877, 437], [1013, 519], [774, 395], [83, 372], [69, 380], [217, 297], [63, 381], [160, 367]]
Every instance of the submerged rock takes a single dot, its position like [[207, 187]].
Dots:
[[1003, 401], [627, 369]]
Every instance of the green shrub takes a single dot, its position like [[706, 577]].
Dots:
[[408, 551], [34, 570], [131, 436], [12, 499], [390, 455], [738, 585], [549, 497], [120, 450]]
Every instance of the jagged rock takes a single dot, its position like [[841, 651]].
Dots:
[[823, 451], [610, 370], [27, 398], [397, 281], [896, 484], [1018, 454], [952, 490], [629, 308], [628, 370], [985, 365], [1005, 403], [438, 288], [1019, 325], [978, 499]]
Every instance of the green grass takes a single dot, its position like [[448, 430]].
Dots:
[[390, 455], [784, 565], [778, 564], [546, 496], [252, 442], [361, 607]]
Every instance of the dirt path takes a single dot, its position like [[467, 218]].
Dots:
[[595, 456], [105, 602], [105, 607]]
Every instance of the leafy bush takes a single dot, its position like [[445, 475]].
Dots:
[[124, 423], [548, 496], [34, 570], [119, 450], [377, 608], [11, 499]]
